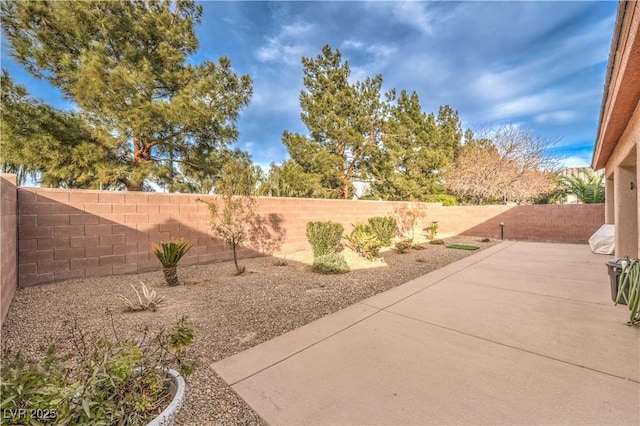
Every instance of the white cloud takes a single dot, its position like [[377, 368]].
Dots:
[[556, 117], [351, 44], [414, 14], [288, 46], [577, 161], [541, 103]]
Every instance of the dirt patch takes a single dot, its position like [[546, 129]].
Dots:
[[230, 313]]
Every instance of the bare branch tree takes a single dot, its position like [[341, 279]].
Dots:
[[510, 164]]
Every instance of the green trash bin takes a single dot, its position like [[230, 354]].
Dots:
[[615, 269]]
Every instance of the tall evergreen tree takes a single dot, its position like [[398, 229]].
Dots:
[[404, 168], [344, 122], [56, 148], [417, 149], [125, 65], [449, 132]]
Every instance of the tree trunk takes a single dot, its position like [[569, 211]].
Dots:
[[239, 269], [171, 276], [345, 189]]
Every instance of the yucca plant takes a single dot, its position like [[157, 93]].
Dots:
[[169, 254], [629, 289]]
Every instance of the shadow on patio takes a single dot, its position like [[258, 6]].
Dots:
[[521, 333]]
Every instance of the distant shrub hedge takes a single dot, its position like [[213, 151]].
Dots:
[[445, 199]]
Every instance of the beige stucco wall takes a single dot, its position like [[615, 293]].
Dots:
[[622, 169]]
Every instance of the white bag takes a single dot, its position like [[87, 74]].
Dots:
[[603, 241]]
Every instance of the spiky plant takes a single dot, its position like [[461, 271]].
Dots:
[[169, 254], [629, 289], [150, 299]]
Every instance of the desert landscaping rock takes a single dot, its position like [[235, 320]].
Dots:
[[229, 313]]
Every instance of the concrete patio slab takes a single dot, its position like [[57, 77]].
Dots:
[[410, 288], [469, 344], [250, 362], [584, 334]]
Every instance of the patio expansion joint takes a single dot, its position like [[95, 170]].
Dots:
[[453, 330], [551, 296]]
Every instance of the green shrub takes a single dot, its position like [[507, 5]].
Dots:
[[364, 241], [385, 228], [324, 237], [332, 263], [445, 199], [404, 246], [100, 382]]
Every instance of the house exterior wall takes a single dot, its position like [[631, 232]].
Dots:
[[618, 137], [8, 242], [622, 169]]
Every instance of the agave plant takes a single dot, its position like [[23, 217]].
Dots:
[[629, 289], [169, 254], [151, 299]]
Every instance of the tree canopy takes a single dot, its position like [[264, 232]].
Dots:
[[416, 149], [128, 68], [57, 145], [344, 121], [509, 165], [357, 133]]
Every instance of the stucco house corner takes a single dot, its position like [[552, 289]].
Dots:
[[617, 147]]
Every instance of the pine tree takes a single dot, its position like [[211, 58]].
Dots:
[[125, 66], [416, 149], [405, 168], [344, 121], [54, 147]]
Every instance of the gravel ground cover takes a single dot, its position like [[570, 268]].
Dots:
[[229, 313]]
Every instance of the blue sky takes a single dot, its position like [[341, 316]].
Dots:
[[536, 64]]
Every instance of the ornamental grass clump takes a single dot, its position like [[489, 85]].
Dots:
[[324, 237], [385, 228], [169, 254]]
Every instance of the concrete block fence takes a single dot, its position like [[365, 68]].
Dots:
[[8, 241], [50, 235]]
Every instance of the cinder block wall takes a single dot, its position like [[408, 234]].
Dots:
[[77, 233], [566, 223], [67, 234], [8, 242]]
